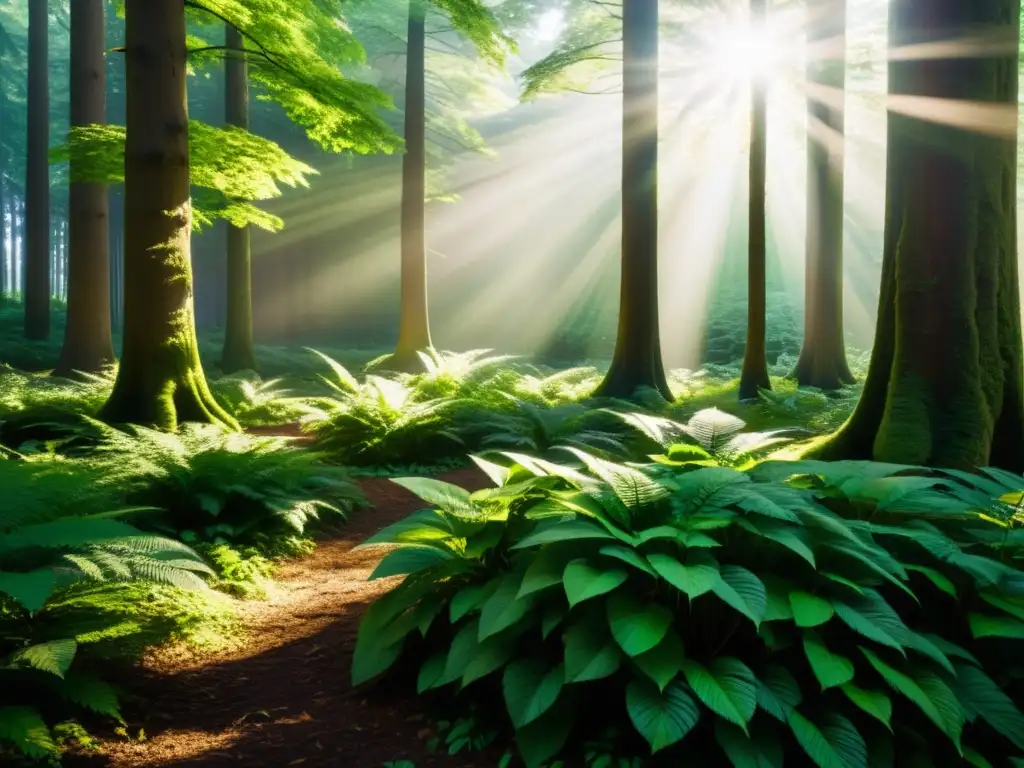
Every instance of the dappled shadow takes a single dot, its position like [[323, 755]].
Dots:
[[284, 698]]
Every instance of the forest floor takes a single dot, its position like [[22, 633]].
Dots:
[[283, 697]]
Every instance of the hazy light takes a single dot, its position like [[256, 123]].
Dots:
[[549, 26]]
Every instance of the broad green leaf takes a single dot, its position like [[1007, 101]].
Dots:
[[54, 656], [23, 727], [590, 652], [431, 674], [503, 609], [976, 759], [664, 661], [810, 610], [543, 738], [91, 693], [409, 559], [463, 649], [566, 530], [818, 746], [628, 556], [448, 497], [551, 616], [490, 655], [939, 579], [694, 577], [531, 689], [421, 527], [941, 695], [875, 703], [982, 698], [636, 627], [545, 570], [661, 717], [873, 618], [760, 750], [778, 692], [995, 626], [831, 669], [905, 685], [583, 581], [31, 590], [1012, 605], [726, 686], [742, 590], [469, 599]]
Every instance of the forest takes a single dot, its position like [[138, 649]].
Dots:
[[511, 384]]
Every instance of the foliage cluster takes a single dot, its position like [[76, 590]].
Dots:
[[836, 615]]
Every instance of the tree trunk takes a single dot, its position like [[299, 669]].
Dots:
[[414, 319], [636, 361], [37, 177], [822, 361], [945, 383], [160, 381], [87, 338], [754, 375], [238, 353]]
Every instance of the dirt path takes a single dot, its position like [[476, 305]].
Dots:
[[284, 698]]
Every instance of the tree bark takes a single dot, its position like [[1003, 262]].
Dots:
[[87, 337], [636, 361], [160, 381], [822, 362], [238, 353], [944, 387], [37, 177], [754, 374], [414, 319]]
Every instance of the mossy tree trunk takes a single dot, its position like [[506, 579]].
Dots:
[[822, 362], [944, 387], [238, 353], [87, 339], [414, 318], [37, 176], [637, 361], [160, 381], [754, 375]]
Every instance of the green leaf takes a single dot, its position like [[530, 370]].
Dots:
[[906, 686], [875, 703], [545, 570], [983, 698], [837, 745], [409, 559], [490, 655], [778, 692], [698, 575], [431, 674], [661, 717], [31, 590], [421, 527], [531, 689], [503, 609], [628, 556], [566, 530], [937, 578], [873, 618], [551, 616], [637, 628], [726, 686], [831, 669], [742, 590], [664, 661], [590, 651], [54, 656], [469, 599], [448, 497], [91, 693], [942, 696], [583, 581], [23, 727], [810, 610], [761, 750], [464, 647], [995, 626], [976, 759], [542, 739]]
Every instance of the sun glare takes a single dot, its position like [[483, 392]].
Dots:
[[735, 49]]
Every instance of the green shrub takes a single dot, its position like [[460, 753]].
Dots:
[[220, 486], [254, 402], [854, 615]]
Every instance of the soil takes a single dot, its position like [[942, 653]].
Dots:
[[283, 698]]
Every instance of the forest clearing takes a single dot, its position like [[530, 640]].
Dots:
[[500, 383]]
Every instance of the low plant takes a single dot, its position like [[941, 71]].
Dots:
[[842, 616], [254, 402]]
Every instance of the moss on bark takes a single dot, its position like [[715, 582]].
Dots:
[[160, 381], [945, 383]]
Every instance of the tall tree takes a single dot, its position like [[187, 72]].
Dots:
[[754, 375], [160, 380], [238, 354], [414, 320], [945, 387], [87, 337], [37, 176], [822, 362], [636, 361]]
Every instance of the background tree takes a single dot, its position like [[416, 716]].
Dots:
[[37, 176], [944, 387], [822, 362], [754, 374], [87, 337], [238, 354]]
